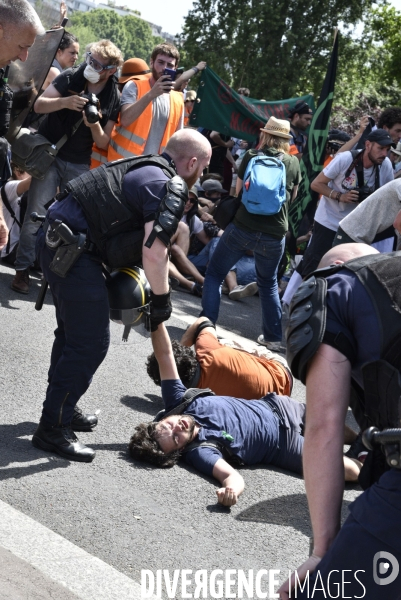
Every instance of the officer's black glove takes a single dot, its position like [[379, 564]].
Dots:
[[160, 310]]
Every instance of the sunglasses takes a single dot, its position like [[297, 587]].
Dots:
[[96, 65]]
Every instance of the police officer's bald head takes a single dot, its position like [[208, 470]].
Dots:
[[344, 252]]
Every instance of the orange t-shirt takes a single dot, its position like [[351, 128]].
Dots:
[[230, 372]]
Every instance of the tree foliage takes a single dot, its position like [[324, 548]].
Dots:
[[132, 35], [277, 48]]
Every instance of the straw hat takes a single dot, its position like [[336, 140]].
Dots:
[[191, 95], [397, 150], [277, 127], [134, 68]]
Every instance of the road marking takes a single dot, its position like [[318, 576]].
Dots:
[[88, 577]]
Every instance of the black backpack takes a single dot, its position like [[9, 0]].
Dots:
[[225, 211]]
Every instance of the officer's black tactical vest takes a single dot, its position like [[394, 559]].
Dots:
[[379, 403], [114, 229]]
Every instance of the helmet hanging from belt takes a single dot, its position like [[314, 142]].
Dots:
[[128, 290]]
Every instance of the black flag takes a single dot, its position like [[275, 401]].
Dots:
[[314, 155]]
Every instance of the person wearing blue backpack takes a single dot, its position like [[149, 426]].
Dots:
[[268, 180]]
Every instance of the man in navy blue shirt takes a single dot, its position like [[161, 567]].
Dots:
[[268, 431], [81, 299]]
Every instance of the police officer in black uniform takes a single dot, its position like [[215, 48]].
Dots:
[[344, 341], [119, 214]]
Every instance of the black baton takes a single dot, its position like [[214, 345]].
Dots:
[[41, 296]]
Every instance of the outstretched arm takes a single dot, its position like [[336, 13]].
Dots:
[[164, 353], [231, 481]]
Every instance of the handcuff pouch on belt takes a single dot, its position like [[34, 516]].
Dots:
[[68, 246]]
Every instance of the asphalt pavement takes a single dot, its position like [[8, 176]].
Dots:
[[84, 531]]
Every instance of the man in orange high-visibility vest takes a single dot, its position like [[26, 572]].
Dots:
[[151, 111]]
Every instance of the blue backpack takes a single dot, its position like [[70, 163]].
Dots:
[[264, 190]]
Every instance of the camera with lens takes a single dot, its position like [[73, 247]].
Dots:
[[6, 102], [364, 192], [92, 108]]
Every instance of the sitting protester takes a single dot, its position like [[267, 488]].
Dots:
[[14, 200], [209, 430]]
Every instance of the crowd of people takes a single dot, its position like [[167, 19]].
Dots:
[[133, 184]]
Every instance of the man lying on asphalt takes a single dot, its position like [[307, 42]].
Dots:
[[210, 430], [227, 371]]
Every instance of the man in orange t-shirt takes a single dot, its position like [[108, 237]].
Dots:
[[226, 371]]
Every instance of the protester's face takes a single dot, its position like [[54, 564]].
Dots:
[[67, 57], [189, 203], [15, 43], [162, 61], [303, 121], [376, 153], [174, 432], [394, 132]]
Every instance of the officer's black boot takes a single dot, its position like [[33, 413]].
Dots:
[[63, 441], [83, 422]]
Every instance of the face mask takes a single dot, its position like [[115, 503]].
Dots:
[[91, 75]]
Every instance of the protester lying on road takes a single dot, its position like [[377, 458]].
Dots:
[[208, 431], [226, 371]]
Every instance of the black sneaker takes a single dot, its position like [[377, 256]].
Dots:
[[197, 290]]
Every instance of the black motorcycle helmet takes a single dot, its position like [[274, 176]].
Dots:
[[128, 290]]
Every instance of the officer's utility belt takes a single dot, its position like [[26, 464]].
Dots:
[[67, 245]]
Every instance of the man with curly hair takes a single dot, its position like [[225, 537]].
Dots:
[[213, 431], [390, 121], [225, 370]]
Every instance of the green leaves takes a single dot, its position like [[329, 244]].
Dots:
[[277, 48], [131, 35]]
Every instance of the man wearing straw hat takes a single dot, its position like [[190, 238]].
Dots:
[[265, 235]]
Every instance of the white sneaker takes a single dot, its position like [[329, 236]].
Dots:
[[242, 291], [273, 346]]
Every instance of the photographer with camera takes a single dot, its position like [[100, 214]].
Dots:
[[82, 103], [19, 26], [348, 180]]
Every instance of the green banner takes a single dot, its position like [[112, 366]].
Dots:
[[220, 108], [315, 151]]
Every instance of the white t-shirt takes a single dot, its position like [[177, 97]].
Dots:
[[14, 200], [330, 212], [375, 214], [160, 115], [197, 223]]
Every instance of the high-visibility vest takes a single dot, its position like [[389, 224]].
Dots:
[[98, 157], [130, 141]]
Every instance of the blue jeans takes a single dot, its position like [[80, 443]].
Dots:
[[40, 193], [268, 252]]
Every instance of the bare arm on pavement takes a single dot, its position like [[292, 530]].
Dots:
[[231, 481]]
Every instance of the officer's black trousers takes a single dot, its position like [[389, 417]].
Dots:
[[82, 336]]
